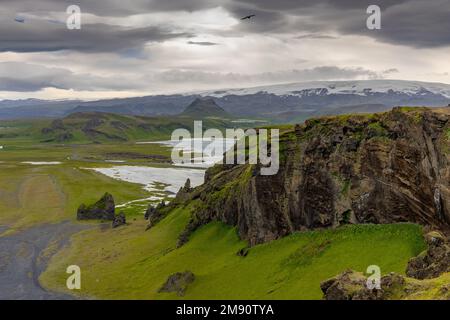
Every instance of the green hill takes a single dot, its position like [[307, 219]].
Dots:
[[107, 128]]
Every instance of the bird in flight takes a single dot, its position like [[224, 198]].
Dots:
[[248, 17]]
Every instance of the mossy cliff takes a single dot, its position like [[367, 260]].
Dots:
[[379, 168]]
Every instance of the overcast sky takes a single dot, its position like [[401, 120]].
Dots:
[[141, 47]]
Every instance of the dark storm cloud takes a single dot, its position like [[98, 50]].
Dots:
[[116, 8], [414, 23], [36, 36], [289, 5], [421, 24]]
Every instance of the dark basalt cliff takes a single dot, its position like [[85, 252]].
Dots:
[[380, 168]]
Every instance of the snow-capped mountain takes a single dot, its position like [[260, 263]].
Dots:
[[297, 101], [356, 87]]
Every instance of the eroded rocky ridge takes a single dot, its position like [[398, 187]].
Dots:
[[379, 168], [104, 209], [434, 261]]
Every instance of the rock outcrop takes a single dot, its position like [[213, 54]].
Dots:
[[429, 274], [351, 285], [104, 209], [178, 283], [379, 168], [155, 214], [184, 192], [119, 220], [434, 261]]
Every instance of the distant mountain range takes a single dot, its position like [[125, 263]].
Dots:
[[287, 102]]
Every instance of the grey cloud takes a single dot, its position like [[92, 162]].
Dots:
[[414, 23], [21, 85], [264, 20], [315, 36], [289, 5], [390, 71], [26, 77], [119, 8], [203, 43], [37, 36], [318, 73], [422, 24]]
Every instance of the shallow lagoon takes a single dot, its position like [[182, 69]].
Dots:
[[163, 182], [42, 163], [171, 178], [203, 151]]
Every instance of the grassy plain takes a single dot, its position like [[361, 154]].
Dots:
[[129, 263], [44, 193]]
